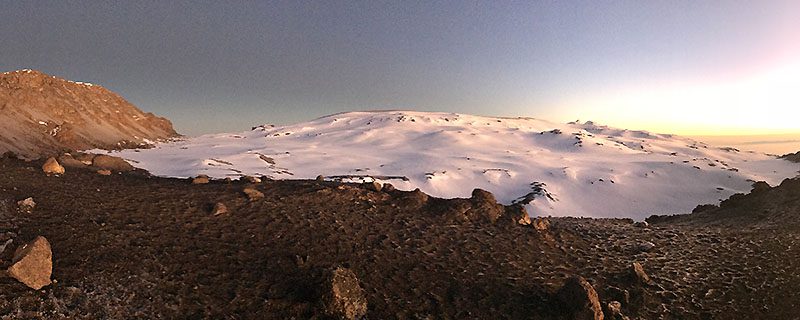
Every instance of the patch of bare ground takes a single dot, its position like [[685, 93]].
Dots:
[[133, 246]]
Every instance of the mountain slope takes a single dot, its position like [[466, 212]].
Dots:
[[565, 169], [42, 114]]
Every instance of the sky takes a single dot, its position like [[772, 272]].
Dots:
[[686, 67]]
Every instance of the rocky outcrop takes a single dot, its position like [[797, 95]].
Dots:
[[793, 157], [44, 115], [764, 206]]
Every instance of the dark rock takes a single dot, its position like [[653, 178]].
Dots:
[[579, 300], [68, 161], [484, 207], [416, 198], [645, 246], [517, 214], [343, 297], [617, 294], [760, 186], [704, 207], [388, 187], [374, 186], [250, 179]]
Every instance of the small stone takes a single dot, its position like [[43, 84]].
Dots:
[[219, 209], [388, 187], [253, 194], [580, 300], [201, 179], [320, 178], [33, 264], [26, 206], [343, 296], [104, 172], [52, 167]]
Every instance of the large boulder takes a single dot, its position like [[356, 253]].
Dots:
[[343, 297], [112, 163], [33, 264], [67, 160], [579, 300], [52, 167]]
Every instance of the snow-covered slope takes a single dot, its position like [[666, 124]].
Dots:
[[577, 169]]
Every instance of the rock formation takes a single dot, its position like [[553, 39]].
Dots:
[[45, 115]]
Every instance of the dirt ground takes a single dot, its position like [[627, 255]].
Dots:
[[131, 246]]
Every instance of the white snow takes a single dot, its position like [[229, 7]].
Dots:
[[587, 170]]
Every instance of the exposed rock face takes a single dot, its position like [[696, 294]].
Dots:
[[772, 207], [51, 166], [579, 300], [43, 115], [793, 157], [343, 296], [33, 264]]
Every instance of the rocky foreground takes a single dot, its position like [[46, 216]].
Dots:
[[126, 245]]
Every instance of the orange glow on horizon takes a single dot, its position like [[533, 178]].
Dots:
[[763, 103]]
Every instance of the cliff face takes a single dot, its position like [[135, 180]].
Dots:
[[42, 114]]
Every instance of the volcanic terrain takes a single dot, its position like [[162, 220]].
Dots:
[[135, 246]]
